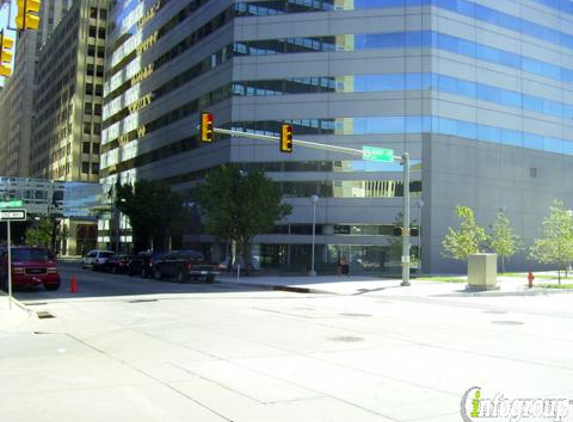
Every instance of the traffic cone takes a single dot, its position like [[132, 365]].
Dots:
[[73, 284]]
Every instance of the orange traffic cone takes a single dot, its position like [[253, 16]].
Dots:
[[73, 284]]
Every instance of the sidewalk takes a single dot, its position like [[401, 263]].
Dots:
[[12, 317], [357, 285]]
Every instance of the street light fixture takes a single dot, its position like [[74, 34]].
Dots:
[[314, 199], [420, 204]]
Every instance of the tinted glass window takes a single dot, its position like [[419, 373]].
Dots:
[[105, 254], [30, 255]]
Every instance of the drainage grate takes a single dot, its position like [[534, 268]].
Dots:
[[355, 315], [44, 315], [507, 322], [346, 339]]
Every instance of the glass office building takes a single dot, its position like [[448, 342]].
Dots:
[[478, 92]]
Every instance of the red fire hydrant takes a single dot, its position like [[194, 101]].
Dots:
[[530, 278]]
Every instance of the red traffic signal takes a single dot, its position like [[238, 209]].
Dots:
[[206, 127]]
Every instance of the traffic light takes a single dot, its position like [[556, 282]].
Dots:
[[28, 14], [206, 127], [286, 138], [6, 45]]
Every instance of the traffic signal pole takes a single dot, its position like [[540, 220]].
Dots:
[[404, 159]]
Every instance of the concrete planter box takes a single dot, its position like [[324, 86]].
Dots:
[[482, 272]]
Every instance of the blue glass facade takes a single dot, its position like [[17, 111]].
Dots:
[[480, 93]]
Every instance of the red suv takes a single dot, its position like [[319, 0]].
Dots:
[[31, 266]]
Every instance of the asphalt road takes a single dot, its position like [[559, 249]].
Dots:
[[93, 284]]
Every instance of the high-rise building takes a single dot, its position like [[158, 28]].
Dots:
[[16, 102], [478, 92], [68, 103]]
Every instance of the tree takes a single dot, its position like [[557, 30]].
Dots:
[[459, 244], [556, 245], [503, 241], [151, 207], [240, 205], [40, 233]]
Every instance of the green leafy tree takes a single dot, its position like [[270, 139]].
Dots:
[[240, 205], [556, 245], [151, 207], [503, 240], [459, 244], [40, 233]]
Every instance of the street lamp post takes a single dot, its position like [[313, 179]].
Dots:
[[314, 199], [406, 225], [420, 204]]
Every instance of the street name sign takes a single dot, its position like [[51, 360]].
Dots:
[[12, 215], [11, 204], [378, 154]]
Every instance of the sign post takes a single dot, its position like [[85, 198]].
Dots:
[[8, 216], [367, 153]]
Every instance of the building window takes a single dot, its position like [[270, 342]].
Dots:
[[91, 50], [95, 168], [97, 109], [102, 14], [95, 148], [93, 13], [87, 128], [97, 129], [86, 148], [92, 31], [85, 168], [101, 52], [88, 108], [89, 89]]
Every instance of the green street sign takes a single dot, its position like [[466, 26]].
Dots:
[[377, 154], [11, 204]]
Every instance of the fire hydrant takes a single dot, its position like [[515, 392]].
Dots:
[[530, 278]]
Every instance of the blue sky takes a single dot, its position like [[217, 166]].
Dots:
[[4, 24]]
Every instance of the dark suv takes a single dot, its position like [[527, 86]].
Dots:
[[31, 266], [141, 264], [183, 265]]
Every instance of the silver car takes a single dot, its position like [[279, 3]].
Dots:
[[96, 258]]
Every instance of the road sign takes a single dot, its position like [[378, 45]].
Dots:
[[377, 154], [12, 215], [11, 204]]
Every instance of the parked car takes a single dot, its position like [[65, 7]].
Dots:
[[183, 265], [116, 264], [141, 264], [31, 266], [96, 258]]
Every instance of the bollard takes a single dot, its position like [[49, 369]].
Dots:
[[530, 278], [73, 284]]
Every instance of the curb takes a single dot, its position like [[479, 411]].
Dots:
[[278, 287], [533, 292]]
